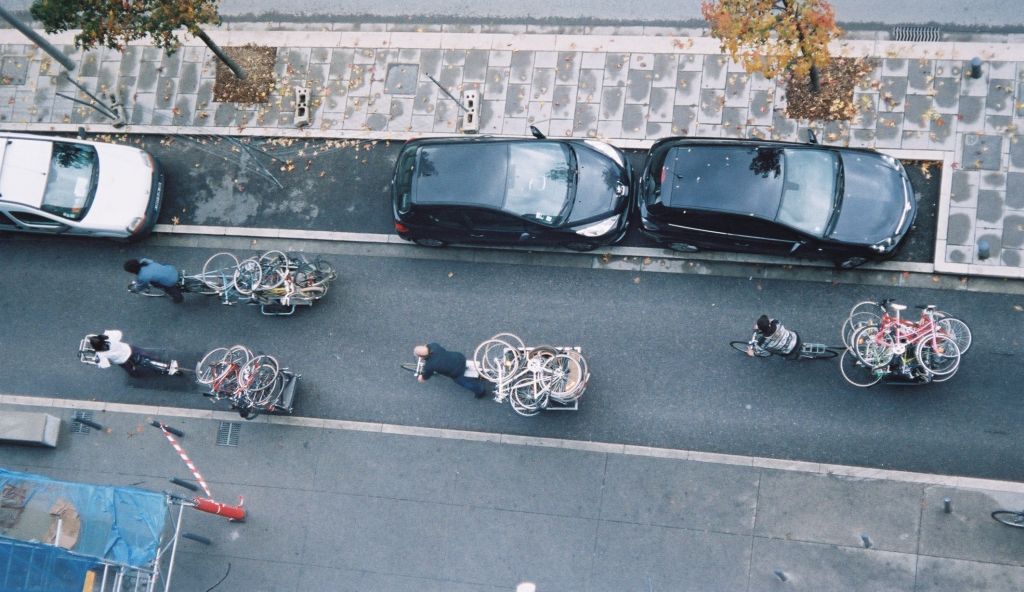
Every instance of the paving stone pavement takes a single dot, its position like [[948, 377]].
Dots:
[[917, 102], [348, 506]]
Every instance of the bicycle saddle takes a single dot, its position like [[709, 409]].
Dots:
[[898, 307], [925, 306]]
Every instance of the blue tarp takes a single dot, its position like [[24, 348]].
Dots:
[[120, 525]]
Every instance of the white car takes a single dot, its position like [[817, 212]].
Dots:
[[51, 185]]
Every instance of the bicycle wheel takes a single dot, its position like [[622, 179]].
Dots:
[[958, 331], [209, 367], [147, 291], [871, 347], [497, 358], [817, 351], [562, 377], [742, 346], [1009, 518], [259, 374], [857, 372], [219, 271], [275, 266], [857, 321], [195, 285], [247, 276], [938, 354]]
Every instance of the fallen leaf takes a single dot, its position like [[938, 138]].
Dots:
[[636, 280], [1018, 308]]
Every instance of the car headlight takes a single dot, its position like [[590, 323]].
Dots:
[[147, 160], [598, 228], [607, 150], [883, 245], [135, 225]]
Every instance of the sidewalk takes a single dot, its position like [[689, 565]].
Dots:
[[628, 89], [336, 505]]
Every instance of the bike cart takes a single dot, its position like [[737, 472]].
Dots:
[[532, 379], [252, 383]]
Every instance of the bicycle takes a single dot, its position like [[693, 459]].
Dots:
[[869, 313], [252, 383], [532, 379], [808, 351], [934, 350], [275, 281], [1009, 518]]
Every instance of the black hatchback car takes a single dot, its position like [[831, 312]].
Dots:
[[571, 193], [849, 205]]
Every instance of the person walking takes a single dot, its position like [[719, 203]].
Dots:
[[438, 360], [150, 272]]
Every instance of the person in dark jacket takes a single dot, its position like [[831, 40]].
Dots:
[[150, 272], [438, 360]]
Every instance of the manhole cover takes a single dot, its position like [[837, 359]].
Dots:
[[78, 427], [227, 433]]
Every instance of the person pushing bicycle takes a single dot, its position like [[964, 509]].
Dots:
[[771, 336], [150, 272], [434, 359]]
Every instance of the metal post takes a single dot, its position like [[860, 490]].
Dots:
[[975, 71], [947, 505], [239, 73], [38, 39], [174, 548], [983, 250]]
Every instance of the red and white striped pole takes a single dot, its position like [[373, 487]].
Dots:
[[234, 513]]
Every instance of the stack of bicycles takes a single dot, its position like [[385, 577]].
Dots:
[[252, 383], [276, 281], [532, 379], [882, 345]]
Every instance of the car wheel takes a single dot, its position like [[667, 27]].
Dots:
[[429, 242], [852, 262], [581, 247], [683, 247]]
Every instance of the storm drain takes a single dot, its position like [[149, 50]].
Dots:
[[227, 433], [915, 33], [78, 427]]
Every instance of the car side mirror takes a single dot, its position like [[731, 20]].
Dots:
[[811, 137], [525, 236], [537, 133]]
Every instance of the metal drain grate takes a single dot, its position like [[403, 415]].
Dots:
[[915, 33], [81, 428], [227, 433]]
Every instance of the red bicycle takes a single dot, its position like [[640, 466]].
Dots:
[[933, 347]]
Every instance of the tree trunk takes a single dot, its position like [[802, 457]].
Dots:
[[815, 80], [238, 71]]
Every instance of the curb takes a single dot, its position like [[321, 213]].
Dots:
[[842, 471]]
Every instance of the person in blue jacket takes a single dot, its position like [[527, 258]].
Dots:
[[150, 272]]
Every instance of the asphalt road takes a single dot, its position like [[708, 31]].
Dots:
[[663, 373], [979, 15], [341, 185]]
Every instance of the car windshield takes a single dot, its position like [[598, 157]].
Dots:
[[540, 181], [71, 181], [809, 190]]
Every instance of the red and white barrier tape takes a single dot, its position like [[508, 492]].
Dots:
[[188, 462]]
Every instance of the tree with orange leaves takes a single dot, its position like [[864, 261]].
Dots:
[[774, 36]]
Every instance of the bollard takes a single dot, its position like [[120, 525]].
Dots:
[[866, 540], [781, 575], [947, 505], [471, 118], [301, 106], [186, 484], [163, 426], [984, 252], [92, 424], [975, 70]]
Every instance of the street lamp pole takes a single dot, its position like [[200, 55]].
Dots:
[[38, 39]]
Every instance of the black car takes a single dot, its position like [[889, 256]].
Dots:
[[572, 193], [849, 205]]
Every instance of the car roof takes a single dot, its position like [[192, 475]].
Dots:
[[469, 173], [728, 178], [24, 166]]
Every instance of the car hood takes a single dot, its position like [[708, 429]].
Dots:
[[876, 200], [122, 190], [596, 185]]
